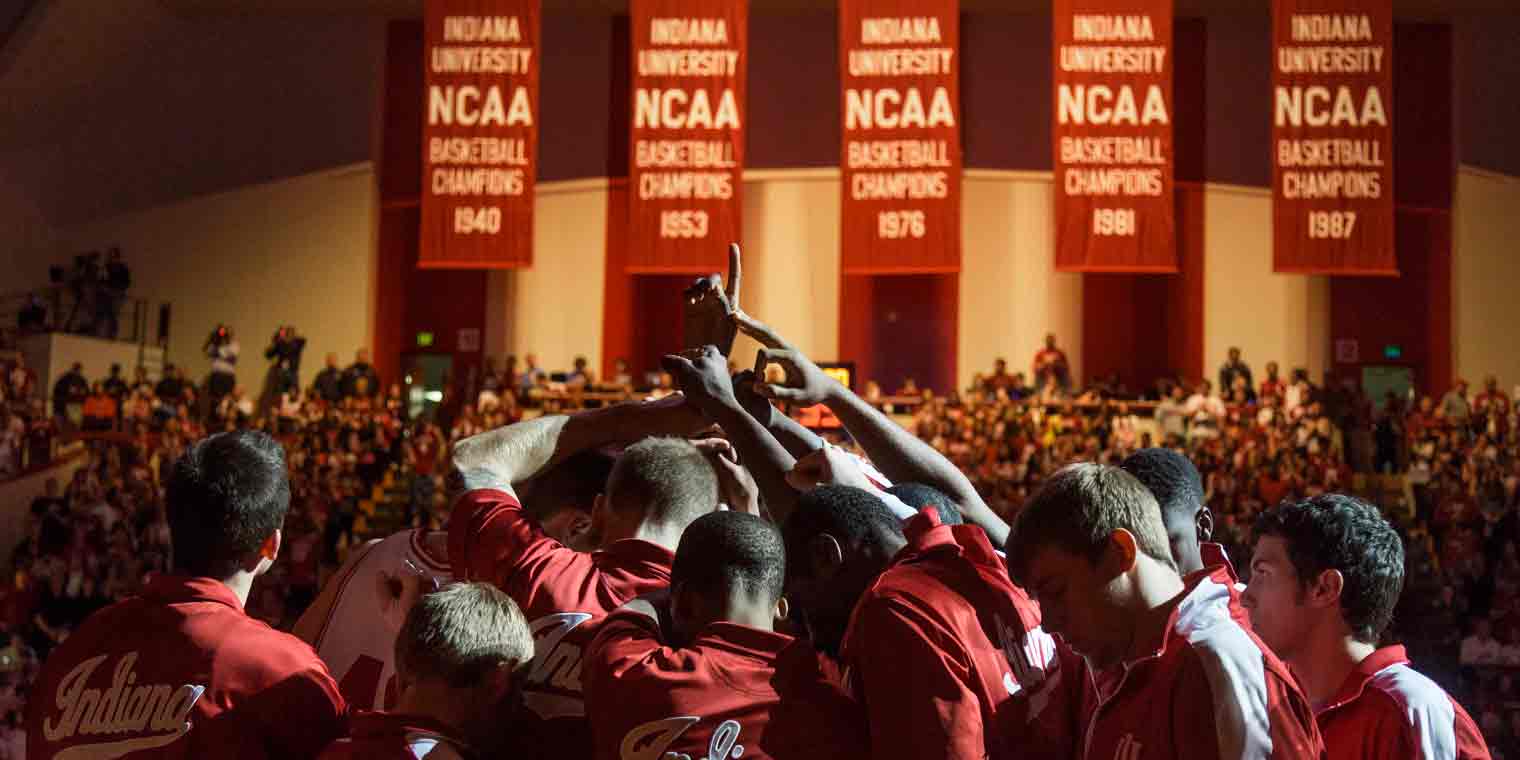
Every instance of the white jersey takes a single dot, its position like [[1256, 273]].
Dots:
[[357, 636]]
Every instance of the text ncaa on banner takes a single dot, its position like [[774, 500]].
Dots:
[[687, 159], [479, 133], [1113, 136], [901, 154], [1332, 137]]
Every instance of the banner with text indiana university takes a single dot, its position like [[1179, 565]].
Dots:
[[1112, 136], [687, 160], [899, 75], [1332, 137], [479, 133]]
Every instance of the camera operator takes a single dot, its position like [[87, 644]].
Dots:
[[112, 291], [222, 348], [84, 283], [285, 349]]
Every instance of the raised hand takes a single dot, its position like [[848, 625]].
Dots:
[[829, 465], [738, 487], [805, 382], [702, 375], [709, 310]]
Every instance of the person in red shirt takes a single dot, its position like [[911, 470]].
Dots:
[[1491, 409], [1176, 671], [657, 487], [1325, 577], [943, 650], [1051, 366], [461, 656], [181, 671], [718, 681]]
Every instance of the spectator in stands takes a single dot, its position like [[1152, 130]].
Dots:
[[117, 281], [1205, 412], [115, 384], [70, 389], [581, 375], [490, 380], [1234, 368], [531, 376], [360, 379], [622, 376], [1491, 410], [329, 382], [20, 380], [1272, 385], [33, 316], [509, 375], [999, 379], [1455, 408], [1480, 647], [170, 387], [1051, 369]]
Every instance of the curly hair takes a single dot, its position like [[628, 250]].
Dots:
[[1348, 535]]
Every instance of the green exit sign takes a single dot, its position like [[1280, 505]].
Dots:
[[1393, 351], [424, 339]]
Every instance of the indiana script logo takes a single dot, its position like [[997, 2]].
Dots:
[[652, 740], [1032, 655], [554, 683], [161, 711]]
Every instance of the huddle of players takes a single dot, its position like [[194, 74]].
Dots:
[[837, 621]]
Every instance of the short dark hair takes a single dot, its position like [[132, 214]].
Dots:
[[225, 497], [853, 516], [1079, 507], [667, 480], [1170, 477], [574, 482], [918, 496], [727, 550], [1343, 533]]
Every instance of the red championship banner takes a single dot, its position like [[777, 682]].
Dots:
[[479, 133], [687, 159], [899, 74], [1113, 136], [1332, 137]]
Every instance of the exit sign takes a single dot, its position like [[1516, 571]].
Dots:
[[1393, 351], [424, 339]]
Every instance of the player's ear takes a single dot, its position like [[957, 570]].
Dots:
[[783, 609], [1122, 551], [1325, 590], [1205, 522], [271, 548], [825, 555]]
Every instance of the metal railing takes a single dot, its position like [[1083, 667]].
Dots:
[[67, 309]]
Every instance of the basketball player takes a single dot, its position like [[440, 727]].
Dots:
[[1178, 672], [1325, 577], [720, 682], [461, 656], [181, 671], [353, 622]]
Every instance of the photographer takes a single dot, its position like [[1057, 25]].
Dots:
[[222, 348], [285, 349], [111, 291]]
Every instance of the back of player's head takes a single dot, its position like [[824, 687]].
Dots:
[[918, 496], [856, 518], [667, 481], [1171, 478], [721, 552], [1348, 535], [225, 497], [1077, 510], [573, 483], [462, 633]]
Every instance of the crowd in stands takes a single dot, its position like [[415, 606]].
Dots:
[[1447, 471]]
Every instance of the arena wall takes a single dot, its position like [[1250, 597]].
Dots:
[[1485, 277], [298, 251]]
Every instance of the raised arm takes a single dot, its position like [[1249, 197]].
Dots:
[[703, 375], [507, 455], [899, 454]]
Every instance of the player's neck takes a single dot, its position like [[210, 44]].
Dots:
[[436, 702], [1328, 656], [1158, 590], [241, 586]]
